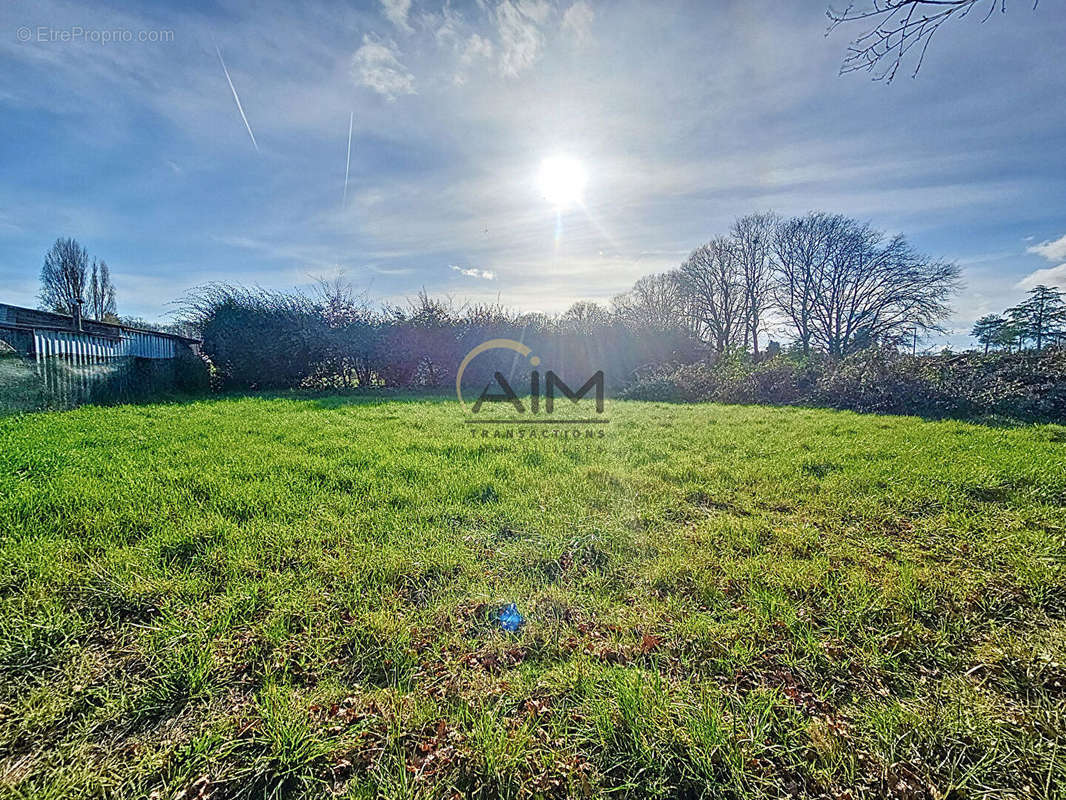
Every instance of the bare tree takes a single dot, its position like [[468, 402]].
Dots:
[[843, 285], [101, 292], [871, 289], [799, 252], [64, 276], [712, 280], [897, 28], [654, 303], [584, 318], [753, 237]]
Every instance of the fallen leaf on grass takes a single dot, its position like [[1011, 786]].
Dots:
[[537, 708]]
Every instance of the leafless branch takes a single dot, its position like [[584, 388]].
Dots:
[[899, 27]]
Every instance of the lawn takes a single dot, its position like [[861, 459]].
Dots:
[[292, 597]]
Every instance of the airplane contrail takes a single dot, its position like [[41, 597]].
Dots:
[[240, 108], [348, 163]]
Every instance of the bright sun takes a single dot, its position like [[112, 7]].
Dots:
[[562, 181]]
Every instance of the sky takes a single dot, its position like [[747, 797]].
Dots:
[[198, 142]]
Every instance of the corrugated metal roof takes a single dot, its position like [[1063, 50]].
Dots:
[[31, 318]]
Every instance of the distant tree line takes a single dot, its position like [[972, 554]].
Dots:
[[832, 284], [1038, 321], [334, 338], [71, 280]]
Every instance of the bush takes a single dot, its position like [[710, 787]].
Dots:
[[192, 372], [781, 380], [881, 381], [258, 339], [1025, 386]]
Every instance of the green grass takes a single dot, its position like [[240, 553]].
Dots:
[[290, 597]]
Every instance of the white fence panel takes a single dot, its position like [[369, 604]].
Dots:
[[85, 348]]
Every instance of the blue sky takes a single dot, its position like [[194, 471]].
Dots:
[[682, 115]]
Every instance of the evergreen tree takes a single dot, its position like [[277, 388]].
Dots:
[[989, 330], [1041, 317]]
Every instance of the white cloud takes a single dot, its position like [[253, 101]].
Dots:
[[520, 39], [447, 26], [1052, 251], [396, 12], [1052, 276], [476, 47], [536, 10], [377, 65], [473, 272], [578, 20]]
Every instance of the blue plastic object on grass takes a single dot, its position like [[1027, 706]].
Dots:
[[510, 618]]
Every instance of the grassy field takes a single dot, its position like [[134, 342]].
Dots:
[[289, 597]]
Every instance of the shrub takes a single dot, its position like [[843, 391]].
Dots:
[[1025, 386], [782, 380], [258, 339], [882, 381], [192, 372]]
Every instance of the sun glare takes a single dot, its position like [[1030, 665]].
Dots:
[[562, 181]]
